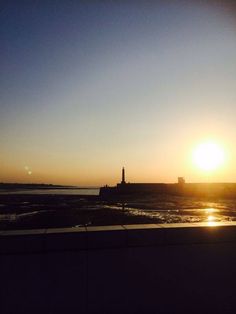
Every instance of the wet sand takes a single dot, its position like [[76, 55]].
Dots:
[[53, 211], [19, 211]]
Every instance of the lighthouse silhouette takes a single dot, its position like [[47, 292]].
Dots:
[[123, 176]]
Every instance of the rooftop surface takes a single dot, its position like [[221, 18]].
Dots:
[[118, 236]]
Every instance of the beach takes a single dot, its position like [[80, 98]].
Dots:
[[37, 210]]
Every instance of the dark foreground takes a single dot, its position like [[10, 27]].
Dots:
[[166, 268], [19, 211]]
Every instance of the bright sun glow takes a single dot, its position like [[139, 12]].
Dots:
[[208, 156]]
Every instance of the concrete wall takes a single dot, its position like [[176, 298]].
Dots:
[[174, 268]]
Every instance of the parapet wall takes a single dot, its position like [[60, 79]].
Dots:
[[172, 268]]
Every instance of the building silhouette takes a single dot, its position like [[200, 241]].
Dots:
[[180, 188]]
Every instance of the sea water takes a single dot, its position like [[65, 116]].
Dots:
[[68, 191]]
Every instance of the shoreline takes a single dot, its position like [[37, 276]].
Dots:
[[33, 211]]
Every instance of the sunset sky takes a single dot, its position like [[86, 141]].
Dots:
[[88, 87]]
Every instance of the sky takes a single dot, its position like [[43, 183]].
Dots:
[[87, 87]]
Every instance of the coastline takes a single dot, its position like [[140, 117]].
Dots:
[[29, 211]]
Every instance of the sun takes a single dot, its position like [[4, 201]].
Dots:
[[208, 156]]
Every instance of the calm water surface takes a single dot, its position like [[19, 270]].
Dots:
[[78, 191]]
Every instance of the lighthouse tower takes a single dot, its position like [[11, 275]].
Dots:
[[123, 176]]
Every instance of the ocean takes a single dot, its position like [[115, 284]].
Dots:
[[67, 191]]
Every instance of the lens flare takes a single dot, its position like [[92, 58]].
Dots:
[[28, 170]]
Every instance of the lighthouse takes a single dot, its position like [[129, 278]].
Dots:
[[123, 176]]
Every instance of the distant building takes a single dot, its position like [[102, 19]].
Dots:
[[181, 180], [178, 189]]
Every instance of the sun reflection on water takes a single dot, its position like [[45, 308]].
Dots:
[[212, 223], [210, 210], [211, 218]]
